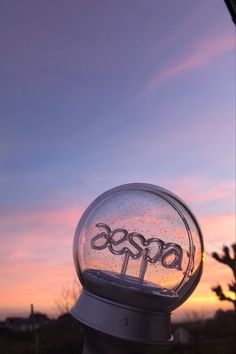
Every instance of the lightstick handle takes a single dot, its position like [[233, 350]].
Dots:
[[99, 343]]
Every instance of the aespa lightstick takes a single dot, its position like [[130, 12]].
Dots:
[[138, 252]]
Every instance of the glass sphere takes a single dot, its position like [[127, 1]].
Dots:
[[139, 245]]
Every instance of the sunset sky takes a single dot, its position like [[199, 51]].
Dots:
[[95, 94]]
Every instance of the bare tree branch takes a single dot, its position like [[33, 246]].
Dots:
[[232, 287], [68, 297], [228, 258], [220, 294]]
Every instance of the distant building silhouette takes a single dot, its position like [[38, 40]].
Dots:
[[20, 324]]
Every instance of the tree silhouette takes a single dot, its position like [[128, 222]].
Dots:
[[68, 297], [228, 258]]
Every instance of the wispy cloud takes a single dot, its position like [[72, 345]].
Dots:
[[40, 238], [213, 203], [41, 217], [218, 230], [196, 189], [199, 55]]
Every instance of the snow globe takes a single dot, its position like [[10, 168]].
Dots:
[[138, 253]]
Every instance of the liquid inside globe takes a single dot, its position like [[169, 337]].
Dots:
[[140, 245]]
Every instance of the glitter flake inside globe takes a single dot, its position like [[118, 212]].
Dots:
[[139, 245]]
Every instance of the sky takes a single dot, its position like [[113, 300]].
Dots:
[[95, 94]]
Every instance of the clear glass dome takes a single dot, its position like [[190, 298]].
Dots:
[[139, 244]]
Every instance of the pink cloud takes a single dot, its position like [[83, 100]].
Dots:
[[202, 193], [195, 189], [48, 216], [28, 233], [201, 54], [187, 24], [218, 230]]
